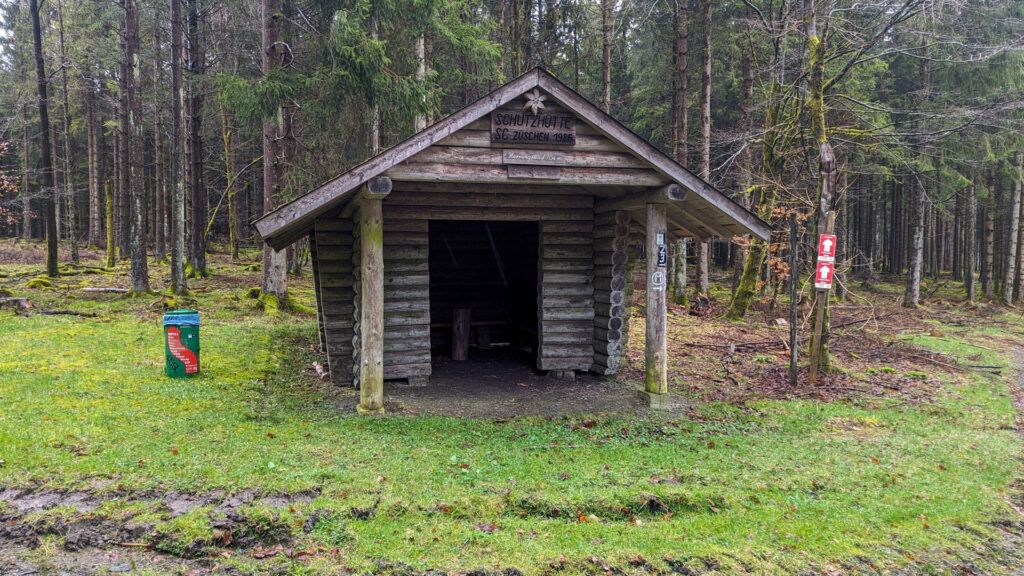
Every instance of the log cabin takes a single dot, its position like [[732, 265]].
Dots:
[[516, 219]]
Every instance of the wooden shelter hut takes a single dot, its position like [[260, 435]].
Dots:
[[510, 219]]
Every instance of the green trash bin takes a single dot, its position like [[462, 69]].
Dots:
[[181, 343]]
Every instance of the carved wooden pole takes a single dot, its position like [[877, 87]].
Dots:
[[371, 311], [656, 380]]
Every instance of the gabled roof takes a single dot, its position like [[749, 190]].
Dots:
[[291, 221]]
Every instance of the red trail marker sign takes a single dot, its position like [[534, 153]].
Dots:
[[823, 275], [827, 248]]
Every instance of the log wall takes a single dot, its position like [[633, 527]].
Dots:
[[333, 282], [611, 258], [566, 293]]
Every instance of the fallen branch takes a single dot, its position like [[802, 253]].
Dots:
[[98, 289], [68, 313]]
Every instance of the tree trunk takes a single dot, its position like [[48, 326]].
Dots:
[[26, 202], [988, 241], [606, 55], [69, 189], [197, 187], [227, 134], [92, 146], [912, 295], [970, 241], [703, 273], [680, 135], [108, 211], [274, 261], [139, 273], [177, 232], [159, 162], [44, 145], [1009, 279]]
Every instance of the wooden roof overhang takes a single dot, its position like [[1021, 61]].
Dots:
[[704, 212]]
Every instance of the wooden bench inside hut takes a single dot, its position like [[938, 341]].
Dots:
[[509, 226]]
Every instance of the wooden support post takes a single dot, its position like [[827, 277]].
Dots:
[[656, 379], [371, 310], [820, 336], [460, 333]]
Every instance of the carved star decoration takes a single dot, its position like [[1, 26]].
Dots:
[[535, 101]]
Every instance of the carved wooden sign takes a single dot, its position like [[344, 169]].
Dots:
[[516, 171], [533, 157], [511, 127]]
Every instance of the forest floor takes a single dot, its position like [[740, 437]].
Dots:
[[906, 461]]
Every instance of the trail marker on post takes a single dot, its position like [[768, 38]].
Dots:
[[823, 275], [827, 248]]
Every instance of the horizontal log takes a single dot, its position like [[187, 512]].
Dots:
[[576, 326], [610, 271], [612, 283], [407, 318], [669, 193], [570, 277], [561, 251], [608, 322], [418, 238], [420, 252], [611, 231], [406, 331], [614, 244], [489, 200], [470, 188], [582, 350], [404, 357], [551, 314], [609, 296], [578, 265], [603, 335], [392, 224], [610, 310], [471, 213], [406, 266], [609, 258], [335, 281], [552, 289], [613, 348], [611, 362], [393, 305], [572, 225], [623, 218], [398, 372], [500, 156], [566, 338], [580, 364], [567, 238], [477, 173], [567, 301]]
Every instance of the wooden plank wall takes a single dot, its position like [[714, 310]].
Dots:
[[334, 279], [611, 255], [320, 328], [406, 296], [566, 299]]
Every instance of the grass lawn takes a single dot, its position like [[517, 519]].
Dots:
[[763, 486]]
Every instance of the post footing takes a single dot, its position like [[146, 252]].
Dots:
[[668, 402]]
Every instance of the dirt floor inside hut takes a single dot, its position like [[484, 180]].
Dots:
[[906, 460]]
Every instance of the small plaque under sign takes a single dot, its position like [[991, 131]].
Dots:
[[533, 157], [535, 172]]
